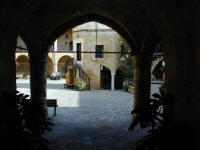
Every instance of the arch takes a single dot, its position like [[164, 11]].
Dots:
[[21, 46], [118, 27], [49, 66], [22, 66], [62, 63], [105, 78], [155, 62], [157, 69], [22, 57]]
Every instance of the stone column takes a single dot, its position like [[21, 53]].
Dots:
[[142, 79], [112, 81], [38, 78], [55, 67], [7, 60], [55, 45]]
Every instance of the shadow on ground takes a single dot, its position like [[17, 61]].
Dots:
[[90, 120]]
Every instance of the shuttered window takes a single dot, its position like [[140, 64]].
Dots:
[[122, 51], [78, 50], [99, 51]]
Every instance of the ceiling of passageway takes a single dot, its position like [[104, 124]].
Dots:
[[55, 17], [54, 13]]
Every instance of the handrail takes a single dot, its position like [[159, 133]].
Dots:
[[82, 74]]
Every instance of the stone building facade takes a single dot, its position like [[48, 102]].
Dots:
[[85, 37], [95, 37], [102, 68]]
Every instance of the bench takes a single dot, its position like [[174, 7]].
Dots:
[[52, 103]]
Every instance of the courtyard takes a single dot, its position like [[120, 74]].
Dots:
[[89, 120]]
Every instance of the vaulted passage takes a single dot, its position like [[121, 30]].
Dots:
[[97, 55], [142, 24]]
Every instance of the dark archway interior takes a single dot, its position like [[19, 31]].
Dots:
[[119, 79], [105, 78]]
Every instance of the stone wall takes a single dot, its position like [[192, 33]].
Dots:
[[91, 65]]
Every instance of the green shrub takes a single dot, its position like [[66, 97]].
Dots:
[[80, 85], [126, 88], [22, 124]]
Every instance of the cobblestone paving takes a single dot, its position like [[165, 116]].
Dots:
[[89, 120]]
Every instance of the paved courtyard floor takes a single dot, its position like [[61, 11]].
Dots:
[[89, 120]]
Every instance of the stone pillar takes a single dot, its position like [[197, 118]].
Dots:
[[142, 80], [55, 67], [55, 45], [7, 60], [112, 81], [38, 78]]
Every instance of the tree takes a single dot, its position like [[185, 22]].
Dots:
[[127, 67]]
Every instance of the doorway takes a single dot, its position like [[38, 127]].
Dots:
[[105, 78]]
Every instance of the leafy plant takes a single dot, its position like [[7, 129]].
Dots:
[[127, 68], [80, 85], [126, 88], [161, 136], [22, 124], [152, 114], [165, 138]]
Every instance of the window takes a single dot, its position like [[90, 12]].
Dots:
[[78, 51], [70, 46], [122, 51], [99, 51]]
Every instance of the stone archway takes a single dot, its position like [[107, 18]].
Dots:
[[157, 71], [63, 61], [105, 78], [22, 67], [154, 64], [49, 66], [100, 18], [181, 39]]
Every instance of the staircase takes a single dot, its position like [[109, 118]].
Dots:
[[82, 75]]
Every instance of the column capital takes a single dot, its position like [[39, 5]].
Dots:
[[113, 73]]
